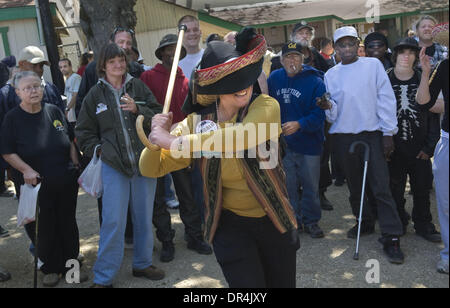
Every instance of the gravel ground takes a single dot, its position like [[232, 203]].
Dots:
[[321, 263]]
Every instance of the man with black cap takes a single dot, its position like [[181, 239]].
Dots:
[[157, 80], [376, 45], [303, 34], [413, 145], [364, 109], [296, 87]]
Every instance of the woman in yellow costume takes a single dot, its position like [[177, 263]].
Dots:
[[234, 134]]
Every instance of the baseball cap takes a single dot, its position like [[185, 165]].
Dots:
[[408, 42], [301, 25], [292, 47], [9, 61], [33, 55], [343, 32], [376, 36]]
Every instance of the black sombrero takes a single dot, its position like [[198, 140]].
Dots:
[[225, 69]]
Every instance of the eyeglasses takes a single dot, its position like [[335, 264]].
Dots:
[[349, 44], [30, 89]]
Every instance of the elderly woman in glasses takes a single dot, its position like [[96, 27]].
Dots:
[[36, 141]]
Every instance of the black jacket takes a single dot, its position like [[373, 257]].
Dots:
[[90, 79]]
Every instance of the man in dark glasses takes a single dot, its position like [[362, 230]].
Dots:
[[376, 45]]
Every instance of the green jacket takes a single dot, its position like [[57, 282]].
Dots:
[[102, 122]]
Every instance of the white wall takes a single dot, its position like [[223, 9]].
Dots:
[[23, 33], [69, 11], [148, 42]]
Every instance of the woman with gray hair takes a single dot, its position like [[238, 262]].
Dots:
[[36, 141]]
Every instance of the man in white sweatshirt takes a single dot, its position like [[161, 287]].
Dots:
[[363, 108]]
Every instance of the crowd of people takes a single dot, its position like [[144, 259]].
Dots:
[[322, 95]]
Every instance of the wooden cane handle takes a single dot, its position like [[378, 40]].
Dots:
[[173, 72], [142, 136]]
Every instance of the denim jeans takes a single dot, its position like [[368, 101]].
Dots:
[[169, 194], [303, 170], [440, 171], [119, 191]]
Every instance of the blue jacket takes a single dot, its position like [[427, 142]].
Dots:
[[297, 98]]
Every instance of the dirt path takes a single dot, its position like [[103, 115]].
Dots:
[[321, 263]]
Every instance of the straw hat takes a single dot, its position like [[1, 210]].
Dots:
[[440, 34]]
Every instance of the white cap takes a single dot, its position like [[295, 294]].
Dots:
[[343, 32], [33, 55]]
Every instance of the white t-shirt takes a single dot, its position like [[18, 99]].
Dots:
[[190, 62], [363, 98], [72, 87]]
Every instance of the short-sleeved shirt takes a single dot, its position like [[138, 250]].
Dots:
[[42, 140], [72, 87]]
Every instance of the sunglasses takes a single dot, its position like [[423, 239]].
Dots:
[[122, 29], [375, 45]]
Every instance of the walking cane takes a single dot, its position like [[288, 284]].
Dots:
[[168, 100], [36, 243], [366, 162]]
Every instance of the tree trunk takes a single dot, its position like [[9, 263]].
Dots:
[[98, 19], [50, 42]]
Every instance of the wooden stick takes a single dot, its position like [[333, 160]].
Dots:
[[168, 99]]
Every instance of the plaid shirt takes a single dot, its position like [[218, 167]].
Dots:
[[440, 53]]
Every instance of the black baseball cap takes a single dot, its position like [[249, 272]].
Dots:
[[301, 25], [292, 47], [407, 42]]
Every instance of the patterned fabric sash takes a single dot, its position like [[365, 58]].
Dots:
[[267, 185]]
